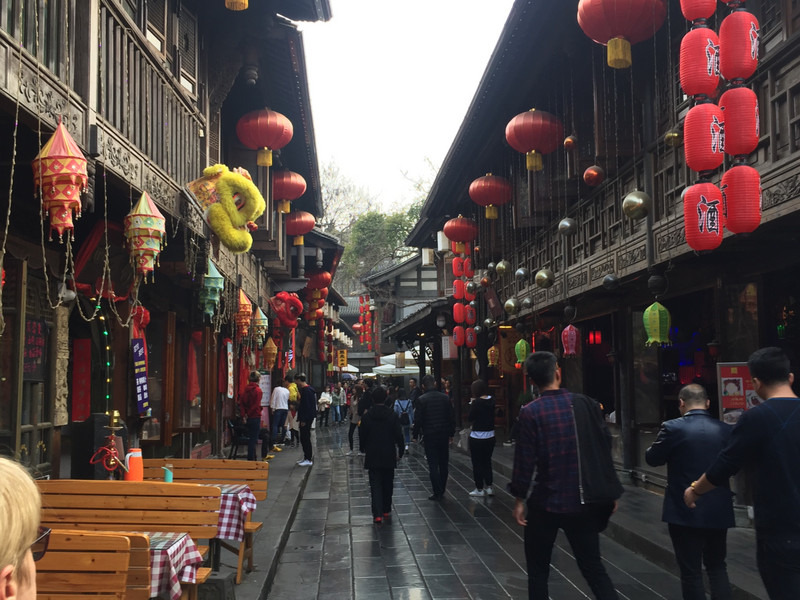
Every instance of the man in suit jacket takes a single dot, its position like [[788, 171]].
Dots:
[[688, 445], [434, 419]]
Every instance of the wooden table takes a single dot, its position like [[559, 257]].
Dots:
[[174, 559]]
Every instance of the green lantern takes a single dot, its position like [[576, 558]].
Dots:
[[260, 326], [522, 349], [656, 323], [213, 284]]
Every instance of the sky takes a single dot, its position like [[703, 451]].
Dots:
[[391, 82]]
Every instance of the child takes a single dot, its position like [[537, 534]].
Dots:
[[293, 424]]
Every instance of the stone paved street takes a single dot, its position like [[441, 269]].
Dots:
[[462, 547]]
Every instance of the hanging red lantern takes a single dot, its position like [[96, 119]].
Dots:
[[361, 338], [594, 175], [470, 337], [469, 271], [459, 289], [356, 327], [740, 107], [458, 335], [318, 280], [695, 10], [703, 216], [618, 24], [264, 130], [490, 191], [460, 230], [458, 267], [699, 62], [287, 186], [298, 224], [458, 312], [534, 133], [703, 133], [741, 193], [570, 340], [470, 315], [738, 45]]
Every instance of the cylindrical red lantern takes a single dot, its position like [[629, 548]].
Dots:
[[703, 216], [469, 271], [738, 45], [459, 289], [570, 340], [458, 312], [535, 132], [741, 193], [703, 133], [298, 224], [458, 335], [264, 130], [458, 266], [470, 315], [287, 186], [739, 105], [490, 191], [695, 10], [470, 337], [699, 63]]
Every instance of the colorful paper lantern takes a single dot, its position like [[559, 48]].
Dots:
[[490, 192], [699, 62], [298, 224], [260, 326], [656, 324], [458, 312], [470, 337], [739, 105], [145, 233], [570, 340], [493, 356], [270, 353], [703, 132], [458, 335], [59, 170], [522, 349], [695, 10], [534, 133], [738, 45], [287, 186], [703, 216], [741, 195], [458, 267], [243, 316], [213, 284], [264, 130]]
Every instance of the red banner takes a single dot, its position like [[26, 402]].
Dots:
[[81, 379]]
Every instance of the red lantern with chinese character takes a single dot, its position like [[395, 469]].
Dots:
[[469, 271], [570, 340], [618, 24], [490, 191], [470, 315], [703, 133], [534, 133], [287, 186], [458, 266], [740, 107], [298, 224], [458, 289], [703, 216], [738, 45], [470, 337], [264, 130], [460, 230], [695, 10], [458, 335], [458, 312], [699, 62], [741, 187]]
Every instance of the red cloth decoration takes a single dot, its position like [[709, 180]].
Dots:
[[469, 271], [741, 193], [458, 266], [81, 379], [470, 337], [534, 132], [470, 315], [740, 107], [703, 216], [694, 10], [458, 289], [458, 335], [738, 45], [703, 132], [699, 62], [458, 312]]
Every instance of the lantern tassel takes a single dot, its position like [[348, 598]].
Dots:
[[264, 157], [619, 53], [533, 161]]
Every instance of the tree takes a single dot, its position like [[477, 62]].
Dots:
[[343, 201]]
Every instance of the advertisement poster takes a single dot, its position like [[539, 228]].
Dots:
[[265, 383], [140, 376], [736, 393]]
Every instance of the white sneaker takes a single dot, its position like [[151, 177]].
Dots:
[[305, 463], [478, 493], [406, 447], [349, 453], [489, 491]]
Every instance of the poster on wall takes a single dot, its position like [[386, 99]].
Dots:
[[140, 376], [736, 393], [265, 383]]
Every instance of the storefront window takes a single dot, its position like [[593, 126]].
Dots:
[[741, 321]]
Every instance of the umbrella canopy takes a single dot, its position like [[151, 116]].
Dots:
[[349, 369], [392, 370]]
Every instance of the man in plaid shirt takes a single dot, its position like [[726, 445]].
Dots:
[[547, 444]]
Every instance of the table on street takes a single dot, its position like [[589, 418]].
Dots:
[[236, 502], [174, 559]]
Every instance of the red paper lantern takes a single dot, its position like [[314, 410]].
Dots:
[[458, 312], [741, 193], [469, 271], [470, 315], [738, 45], [470, 337], [594, 175], [570, 339], [619, 24], [318, 280], [287, 186], [699, 63], [703, 216], [458, 266], [357, 327], [460, 230], [740, 107], [695, 10], [459, 288], [535, 132], [298, 224], [490, 191], [458, 335], [703, 133], [264, 130]]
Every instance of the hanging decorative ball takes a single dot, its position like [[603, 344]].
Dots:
[[570, 340], [534, 133], [522, 349], [611, 282], [699, 62], [486, 282], [545, 278], [469, 297], [567, 226], [511, 306], [478, 330], [522, 274], [673, 139], [493, 355], [570, 312], [490, 269], [527, 302], [472, 288], [656, 324], [570, 143], [488, 322], [740, 107], [704, 137], [636, 205], [520, 327], [657, 284], [503, 267], [741, 195], [703, 216], [264, 130], [287, 186], [594, 175], [473, 304], [491, 191], [738, 45]]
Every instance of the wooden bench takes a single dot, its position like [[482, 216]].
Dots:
[[83, 564], [221, 472]]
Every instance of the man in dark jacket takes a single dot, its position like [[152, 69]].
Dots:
[[382, 439], [306, 413], [250, 409], [434, 419], [687, 445]]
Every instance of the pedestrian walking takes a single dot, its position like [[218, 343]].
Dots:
[[382, 440], [687, 445], [250, 409], [324, 406], [481, 438], [336, 403], [767, 438], [279, 407], [405, 413], [307, 412], [434, 420], [355, 419], [547, 443]]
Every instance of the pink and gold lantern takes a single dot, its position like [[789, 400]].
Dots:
[[243, 316], [570, 340], [145, 232]]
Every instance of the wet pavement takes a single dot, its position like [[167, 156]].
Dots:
[[462, 547]]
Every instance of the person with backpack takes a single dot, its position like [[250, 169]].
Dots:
[[404, 410]]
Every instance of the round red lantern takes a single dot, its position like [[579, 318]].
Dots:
[[458, 266], [356, 327], [298, 224], [699, 63], [318, 280], [458, 335], [470, 337], [460, 230], [594, 175], [703, 132], [458, 289], [535, 132], [741, 193], [738, 45], [264, 130], [695, 10], [458, 312], [470, 315], [287, 186], [618, 24], [469, 270], [490, 191], [703, 216], [739, 105]]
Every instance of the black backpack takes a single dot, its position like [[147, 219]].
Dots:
[[405, 420]]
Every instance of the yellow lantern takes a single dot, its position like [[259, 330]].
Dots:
[[270, 353], [493, 354], [236, 4]]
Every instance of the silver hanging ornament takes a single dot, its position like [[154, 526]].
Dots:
[[522, 274], [503, 267], [611, 282], [636, 205], [527, 303], [511, 306], [490, 269], [488, 322], [567, 227], [472, 288], [545, 278], [478, 329]]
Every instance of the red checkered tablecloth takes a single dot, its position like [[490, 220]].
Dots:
[[235, 503], [174, 558]]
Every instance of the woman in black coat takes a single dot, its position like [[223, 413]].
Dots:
[[380, 433], [481, 438]]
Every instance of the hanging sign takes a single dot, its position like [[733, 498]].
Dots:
[[140, 376], [736, 393], [229, 351], [341, 358], [35, 343], [81, 379]]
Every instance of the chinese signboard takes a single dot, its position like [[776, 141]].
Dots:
[[35, 344], [341, 358], [140, 376], [736, 393]]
